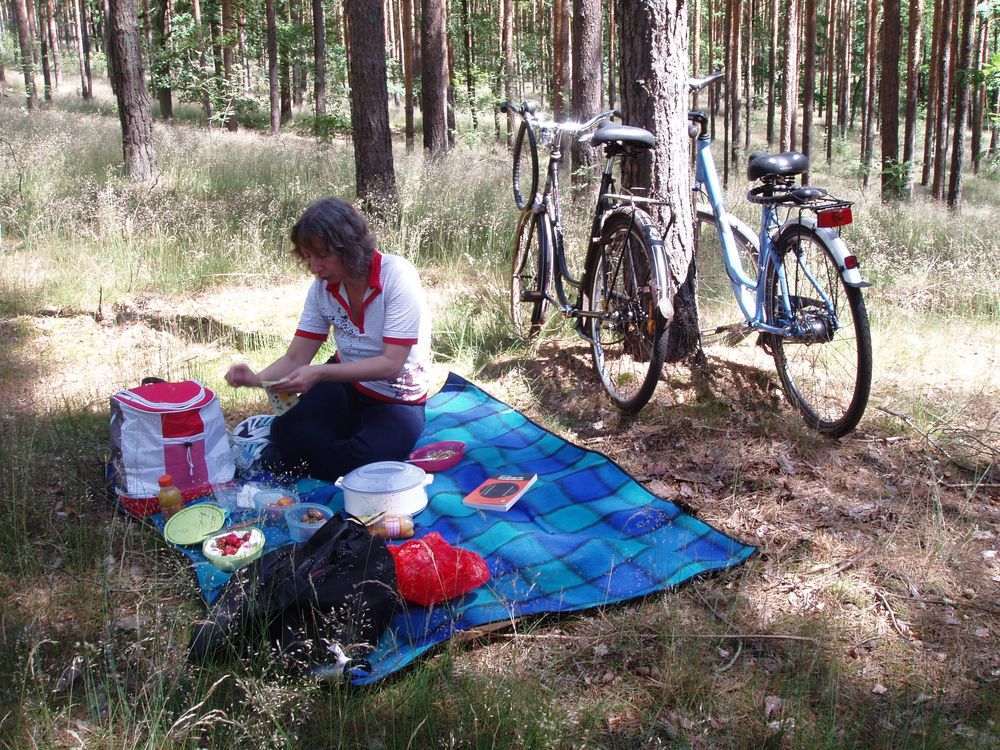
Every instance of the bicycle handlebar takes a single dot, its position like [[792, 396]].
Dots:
[[697, 84]]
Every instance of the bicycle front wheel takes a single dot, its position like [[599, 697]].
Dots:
[[825, 361], [628, 333], [525, 175], [531, 274]]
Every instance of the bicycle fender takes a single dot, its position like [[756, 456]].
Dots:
[[664, 277], [850, 271]]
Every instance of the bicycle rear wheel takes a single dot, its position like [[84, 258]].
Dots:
[[629, 341], [825, 365], [531, 274], [525, 175]]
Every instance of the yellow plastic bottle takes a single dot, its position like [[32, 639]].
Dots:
[[393, 527], [171, 499]]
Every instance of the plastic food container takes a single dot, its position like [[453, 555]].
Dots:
[[394, 487], [438, 456], [300, 530], [247, 552], [272, 504]]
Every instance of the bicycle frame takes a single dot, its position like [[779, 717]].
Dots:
[[749, 294]]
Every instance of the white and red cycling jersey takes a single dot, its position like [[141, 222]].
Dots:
[[394, 311]]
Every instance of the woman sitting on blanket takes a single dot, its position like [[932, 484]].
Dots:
[[366, 403]]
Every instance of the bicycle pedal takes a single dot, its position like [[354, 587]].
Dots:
[[734, 334], [532, 296]]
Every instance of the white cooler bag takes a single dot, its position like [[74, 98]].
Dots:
[[167, 428]]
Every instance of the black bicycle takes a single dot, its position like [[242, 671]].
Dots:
[[623, 302]]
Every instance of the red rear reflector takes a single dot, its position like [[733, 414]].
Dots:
[[850, 262], [836, 217]]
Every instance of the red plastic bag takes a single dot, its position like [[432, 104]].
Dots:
[[429, 570]]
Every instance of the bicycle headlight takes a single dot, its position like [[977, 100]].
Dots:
[[546, 136]]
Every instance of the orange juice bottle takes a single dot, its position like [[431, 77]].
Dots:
[[171, 500]]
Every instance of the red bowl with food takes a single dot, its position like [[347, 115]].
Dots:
[[438, 456]]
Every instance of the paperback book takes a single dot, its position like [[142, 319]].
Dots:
[[500, 492]]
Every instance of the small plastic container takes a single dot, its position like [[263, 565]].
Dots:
[[249, 551], [272, 504], [300, 530]]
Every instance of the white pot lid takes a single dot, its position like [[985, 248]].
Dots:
[[384, 476]]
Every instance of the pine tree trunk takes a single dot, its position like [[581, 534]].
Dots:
[[373, 166], [790, 94], [227, 61], [772, 72], [831, 74], [434, 79], [982, 47], [561, 67], [869, 109], [586, 80], [963, 63], [470, 81], [933, 94], [507, 59], [654, 43], [408, 72], [809, 80], [161, 64], [735, 82], [888, 100], [27, 66], [125, 63], [747, 70], [695, 49], [273, 84], [912, 92], [319, 60], [50, 21], [944, 102], [43, 39]]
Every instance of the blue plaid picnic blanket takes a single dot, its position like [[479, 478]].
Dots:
[[584, 535]]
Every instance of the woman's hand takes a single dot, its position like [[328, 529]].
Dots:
[[241, 375], [300, 380]]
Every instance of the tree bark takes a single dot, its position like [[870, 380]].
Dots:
[[912, 92], [53, 33], [933, 92], [161, 63], [125, 63], [373, 166], [868, 99], [654, 42], [199, 35], [273, 86], [408, 71], [963, 65], [83, 50], [735, 79], [809, 81], [790, 95], [434, 78], [586, 80], [888, 100], [831, 75], [470, 81], [227, 61], [943, 103], [319, 60], [562, 64], [979, 99], [507, 59], [27, 63]]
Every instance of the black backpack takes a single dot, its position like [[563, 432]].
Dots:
[[322, 603]]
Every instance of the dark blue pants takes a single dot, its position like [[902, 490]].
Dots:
[[335, 428]]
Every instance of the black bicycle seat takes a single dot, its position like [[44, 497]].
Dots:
[[608, 132], [788, 163]]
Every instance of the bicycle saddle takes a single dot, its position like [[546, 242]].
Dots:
[[786, 164], [608, 132]]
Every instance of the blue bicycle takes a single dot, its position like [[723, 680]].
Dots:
[[796, 283]]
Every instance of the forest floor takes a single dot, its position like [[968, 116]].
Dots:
[[879, 550]]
